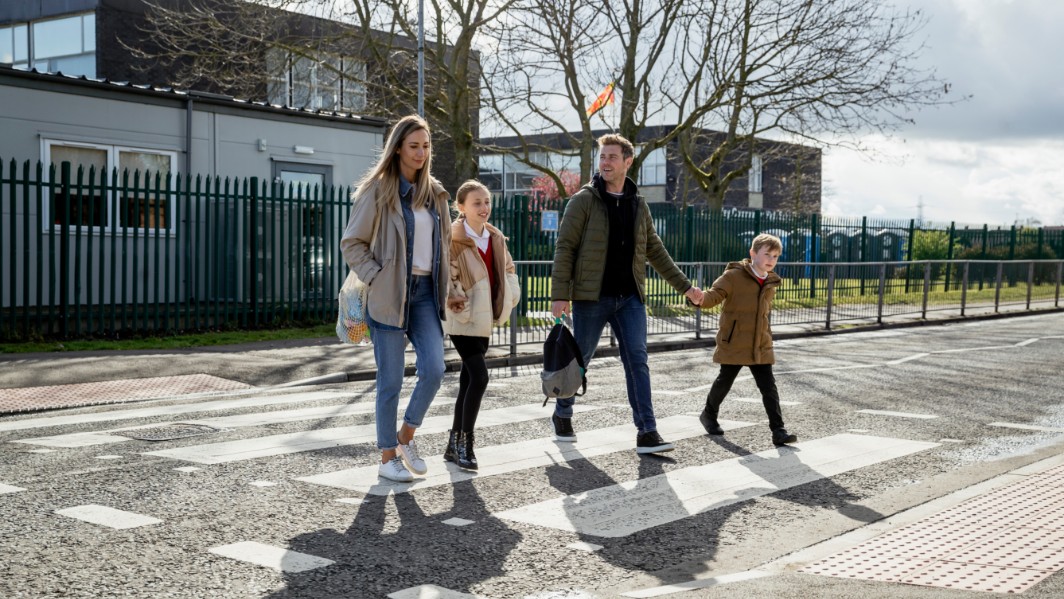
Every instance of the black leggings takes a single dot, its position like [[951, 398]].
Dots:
[[472, 382], [766, 383]]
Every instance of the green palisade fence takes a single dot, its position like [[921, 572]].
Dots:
[[105, 254]]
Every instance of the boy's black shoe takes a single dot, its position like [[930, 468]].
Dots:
[[563, 429], [782, 437], [710, 424], [651, 442]]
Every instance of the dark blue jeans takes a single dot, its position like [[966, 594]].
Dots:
[[627, 316]]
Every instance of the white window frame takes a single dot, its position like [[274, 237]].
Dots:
[[111, 201]]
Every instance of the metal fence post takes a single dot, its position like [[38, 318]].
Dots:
[[1056, 298], [513, 329], [831, 296], [1030, 282], [964, 287], [253, 263], [997, 287], [949, 252], [882, 292], [64, 253], [927, 288], [698, 311]]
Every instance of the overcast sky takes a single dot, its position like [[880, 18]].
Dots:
[[997, 158]]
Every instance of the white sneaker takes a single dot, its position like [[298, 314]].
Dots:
[[393, 469], [412, 460]]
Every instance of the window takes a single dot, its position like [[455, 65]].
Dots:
[[653, 169], [755, 174], [109, 201], [67, 44], [332, 83]]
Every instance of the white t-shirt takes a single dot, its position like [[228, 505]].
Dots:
[[422, 259]]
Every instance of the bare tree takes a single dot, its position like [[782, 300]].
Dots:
[[822, 72]]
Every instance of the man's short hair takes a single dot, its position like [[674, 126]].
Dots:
[[612, 139], [766, 240]]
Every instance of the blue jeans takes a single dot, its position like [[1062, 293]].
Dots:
[[627, 316], [425, 332]]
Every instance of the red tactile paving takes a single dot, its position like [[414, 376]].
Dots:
[[1005, 541], [30, 399]]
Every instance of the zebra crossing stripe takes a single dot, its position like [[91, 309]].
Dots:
[[9, 489], [429, 591], [107, 516], [274, 445], [622, 509], [897, 414], [156, 411], [1028, 427], [268, 556], [512, 457], [223, 422]]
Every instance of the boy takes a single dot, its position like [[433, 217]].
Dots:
[[745, 338]]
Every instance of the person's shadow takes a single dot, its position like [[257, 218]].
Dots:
[[384, 550], [643, 525]]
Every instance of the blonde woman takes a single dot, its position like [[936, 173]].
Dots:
[[484, 290], [398, 240]]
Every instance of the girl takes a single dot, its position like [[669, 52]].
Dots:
[[398, 241], [484, 290]]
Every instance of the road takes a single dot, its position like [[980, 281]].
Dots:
[[276, 496]]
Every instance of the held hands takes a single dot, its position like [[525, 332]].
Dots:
[[455, 303], [695, 296], [559, 307]]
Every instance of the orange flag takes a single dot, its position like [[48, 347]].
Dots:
[[603, 99]]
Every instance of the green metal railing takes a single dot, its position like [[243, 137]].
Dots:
[[96, 253]]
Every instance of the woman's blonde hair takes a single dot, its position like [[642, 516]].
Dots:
[[386, 172], [465, 188]]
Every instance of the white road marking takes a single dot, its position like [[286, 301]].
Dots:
[[968, 349], [701, 583], [897, 414], [429, 591], [946, 440], [667, 392], [9, 489], [1027, 427], [263, 483], [860, 430], [622, 509], [277, 558], [512, 457], [223, 422], [40, 451], [908, 358], [759, 402], [188, 468], [1027, 342], [274, 445], [184, 408], [109, 457], [349, 500], [457, 522], [107, 516], [584, 546]]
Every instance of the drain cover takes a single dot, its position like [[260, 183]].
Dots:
[[168, 432]]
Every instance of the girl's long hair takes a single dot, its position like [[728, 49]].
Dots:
[[386, 172]]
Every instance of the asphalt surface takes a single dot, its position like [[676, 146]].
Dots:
[[944, 386]]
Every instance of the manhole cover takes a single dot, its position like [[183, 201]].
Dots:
[[168, 432]]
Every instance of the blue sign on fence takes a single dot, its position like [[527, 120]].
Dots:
[[548, 220]]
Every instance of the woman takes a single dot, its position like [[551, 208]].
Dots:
[[398, 242]]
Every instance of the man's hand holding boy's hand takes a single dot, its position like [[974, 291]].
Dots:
[[695, 296]]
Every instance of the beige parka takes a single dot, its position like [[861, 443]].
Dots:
[[744, 337]]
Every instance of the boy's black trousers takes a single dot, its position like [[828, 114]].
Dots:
[[766, 383]]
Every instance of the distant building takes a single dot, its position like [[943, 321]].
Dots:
[[782, 177], [92, 38]]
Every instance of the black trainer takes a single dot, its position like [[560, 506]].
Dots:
[[780, 437], [710, 424], [651, 442], [563, 428]]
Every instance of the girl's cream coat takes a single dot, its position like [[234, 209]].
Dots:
[[469, 280]]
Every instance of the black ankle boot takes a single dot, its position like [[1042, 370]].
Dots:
[[709, 422], [451, 453], [466, 458]]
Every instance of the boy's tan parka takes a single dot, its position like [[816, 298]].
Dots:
[[745, 335]]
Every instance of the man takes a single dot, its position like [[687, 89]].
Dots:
[[607, 228]]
